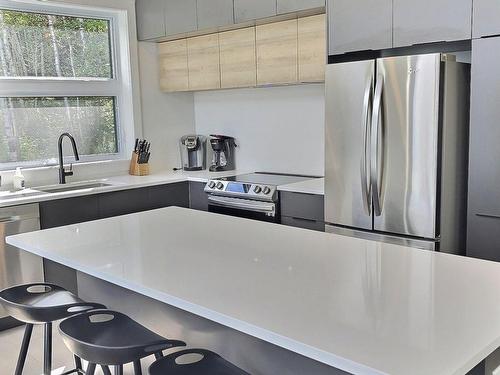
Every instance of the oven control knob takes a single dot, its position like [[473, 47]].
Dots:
[[211, 184], [266, 190], [220, 185], [257, 189]]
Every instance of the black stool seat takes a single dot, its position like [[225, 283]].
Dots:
[[42, 303], [106, 337], [210, 364]]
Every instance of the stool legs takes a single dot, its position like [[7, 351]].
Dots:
[[137, 367], [47, 348], [118, 369], [105, 370], [78, 363], [24, 349], [90, 369]]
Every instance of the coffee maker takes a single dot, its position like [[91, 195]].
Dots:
[[193, 152], [223, 153]]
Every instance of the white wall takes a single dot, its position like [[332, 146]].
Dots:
[[165, 117], [277, 129]]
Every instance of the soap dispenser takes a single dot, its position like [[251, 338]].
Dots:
[[18, 179]]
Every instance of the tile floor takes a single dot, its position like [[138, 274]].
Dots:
[[62, 359]]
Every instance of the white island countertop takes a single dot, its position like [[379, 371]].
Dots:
[[360, 306]]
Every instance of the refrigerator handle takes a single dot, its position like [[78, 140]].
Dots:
[[365, 157], [374, 146]]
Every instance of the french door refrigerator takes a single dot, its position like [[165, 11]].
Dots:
[[396, 150]]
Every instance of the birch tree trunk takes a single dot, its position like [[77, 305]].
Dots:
[[7, 104]]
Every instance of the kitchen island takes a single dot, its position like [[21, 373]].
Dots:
[[359, 306]]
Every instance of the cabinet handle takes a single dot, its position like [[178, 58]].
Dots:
[[490, 216]]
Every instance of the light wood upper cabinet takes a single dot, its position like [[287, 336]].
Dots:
[[312, 48], [237, 58], [276, 45], [173, 66], [203, 62]]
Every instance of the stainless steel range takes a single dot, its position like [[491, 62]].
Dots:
[[253, 195]]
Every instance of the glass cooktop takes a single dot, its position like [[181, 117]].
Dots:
[[267, 178]]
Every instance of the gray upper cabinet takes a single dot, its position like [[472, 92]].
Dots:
[[359, 25], [427, 21], [150, 19], [483, 226], [247, 10], [287, 6], [486, 18], [160, 18], [180, 16], [214, 13]]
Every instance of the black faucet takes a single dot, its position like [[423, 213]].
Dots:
[[62, 172]]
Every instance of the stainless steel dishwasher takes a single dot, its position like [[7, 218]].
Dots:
[[17, 266]]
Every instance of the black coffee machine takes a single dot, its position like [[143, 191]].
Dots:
[[223, 148]]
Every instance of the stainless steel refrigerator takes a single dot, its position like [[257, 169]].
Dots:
[[396, 150]]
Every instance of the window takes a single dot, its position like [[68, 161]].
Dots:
[[61, 71]]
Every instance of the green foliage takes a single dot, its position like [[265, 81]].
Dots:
[[44, 45]]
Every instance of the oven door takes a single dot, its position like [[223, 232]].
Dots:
[[250, 209]]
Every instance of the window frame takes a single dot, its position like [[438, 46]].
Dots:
[[118, 86]]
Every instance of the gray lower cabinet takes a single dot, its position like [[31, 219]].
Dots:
[[303, 210], [486, 18], [150, 19], [359, 25], [198, 199], [248, 10], [483, 233], [214, 13], [287, 6], [427, 21]]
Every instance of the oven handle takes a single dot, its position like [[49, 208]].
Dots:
[[243, 204]]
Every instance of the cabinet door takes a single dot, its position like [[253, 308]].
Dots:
[[312, 48], [483, 237], [303, 206], [427, 21], [203, 62], [276, 45], [483, 234], [359, 25], [214, 13], [173, 66], [287, 6], [484, 153], [238, 67], [123, 202], [180, 16], [303, 223], [68, 211], [486, 18], [248, 10], [198, 199], [169, 195], [150, 19]]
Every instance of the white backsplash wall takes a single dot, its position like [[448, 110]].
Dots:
[[277, 129]]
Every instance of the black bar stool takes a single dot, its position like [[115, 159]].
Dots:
[[109, 338], [206, 363], [41, 303]]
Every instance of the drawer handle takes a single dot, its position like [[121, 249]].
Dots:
[[490, 216]]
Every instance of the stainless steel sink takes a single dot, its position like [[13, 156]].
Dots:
[[73, 187]]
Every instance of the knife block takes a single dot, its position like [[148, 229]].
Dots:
[[137, 169]]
